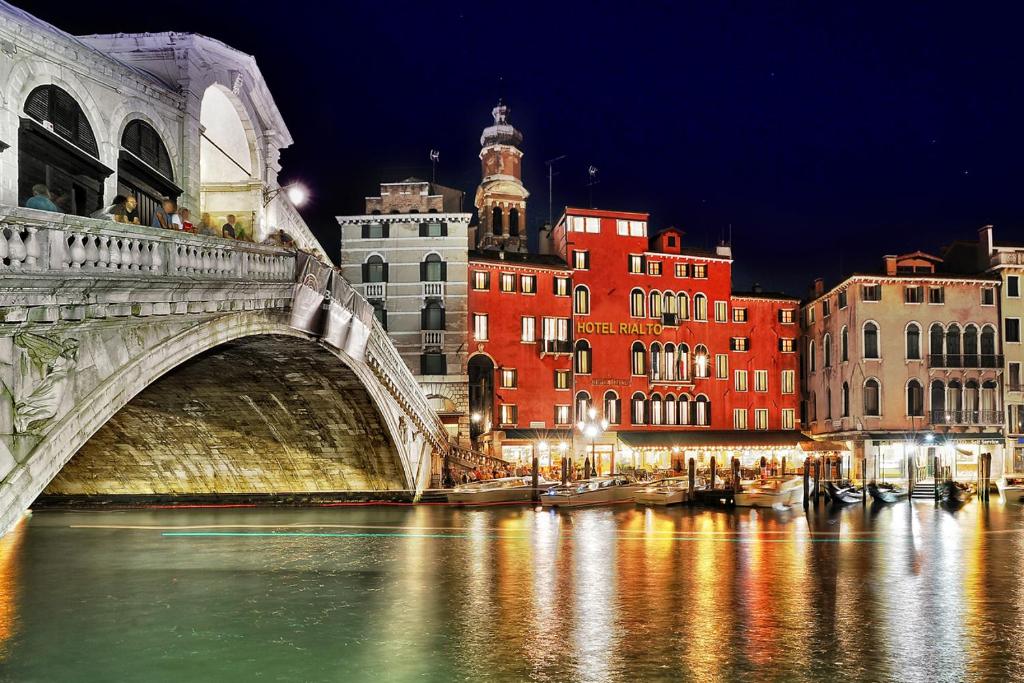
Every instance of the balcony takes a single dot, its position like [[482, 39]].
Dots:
[[555, 347], [656, 377], [432, 338], [433, 290], [670, 319], [1007, 258], [967, 417], [965, 360], [375, 290]]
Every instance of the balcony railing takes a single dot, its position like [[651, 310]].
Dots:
[[433, 337], [555, 347], [965, 360], [375, 290], [1007, 258], [433, 289], [657, 377], [967, 417]]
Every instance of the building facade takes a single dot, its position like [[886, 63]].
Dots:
[[630, 351], [175, 115], [408, 256], [904, 365]]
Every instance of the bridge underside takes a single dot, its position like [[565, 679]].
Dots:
[[262, 415]]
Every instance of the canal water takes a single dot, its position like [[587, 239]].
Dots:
[[432, 593]]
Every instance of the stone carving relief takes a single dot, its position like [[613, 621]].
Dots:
[[46, 366]]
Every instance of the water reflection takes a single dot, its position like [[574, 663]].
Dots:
[[432, 593]]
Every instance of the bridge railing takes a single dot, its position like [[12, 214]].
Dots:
[[42, 241]]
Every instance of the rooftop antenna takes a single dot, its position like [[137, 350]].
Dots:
[[551, 183], [434, 156], [592, 180]]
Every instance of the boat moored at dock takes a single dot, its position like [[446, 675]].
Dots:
[[771, 494], [1011, 488], [495, 491], [671, 491], [887, 493], [596, 491]]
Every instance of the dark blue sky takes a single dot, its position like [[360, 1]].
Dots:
[[825, 133]]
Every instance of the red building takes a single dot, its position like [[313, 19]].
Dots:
[[662, 350]]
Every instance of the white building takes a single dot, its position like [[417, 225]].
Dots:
[[173, 115], [408, 255]]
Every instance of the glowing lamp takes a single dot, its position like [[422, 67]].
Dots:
[[297, 194], [475, 417], [592, 413]]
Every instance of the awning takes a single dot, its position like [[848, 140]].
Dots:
[[815, 446], [531, 434], [737, 438]]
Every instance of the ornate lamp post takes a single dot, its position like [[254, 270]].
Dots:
[[591, 428]]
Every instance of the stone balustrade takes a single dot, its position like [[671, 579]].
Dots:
[[35, 241]]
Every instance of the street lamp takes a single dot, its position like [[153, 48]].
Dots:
[[591, 428], [296, 192]]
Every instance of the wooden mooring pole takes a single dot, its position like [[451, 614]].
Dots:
[[807, 481], [817, 479], [935, 468], [691, 473], [535, 476], [714, 472]]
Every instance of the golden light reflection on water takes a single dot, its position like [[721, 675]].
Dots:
[[9, 562]]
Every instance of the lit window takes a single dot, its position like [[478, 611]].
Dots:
[[787, 345], [509, 378], [581, 259], [761, 418], [788, 418], [581, 301], [481, 280], [562, 415], [654, 268], [721, 311], [786, 316], [583, 357], [636, 263], [788, 381], [739, 315], [562, 379], [529, 329], [638, 229], [740, 344], [576, 224], [699, 270], [760, 380], [739, 418], [741, 380], [638, 357], [721, 366], [480, 326], [508, 282], [593, 224], [509, 414], [555, 329], [621, 227], [700, 307], [681, 269], [528, 284], [636, 303], [701, 362], [654, 309], [561, 286]]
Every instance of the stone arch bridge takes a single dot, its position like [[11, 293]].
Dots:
[[229, 398]]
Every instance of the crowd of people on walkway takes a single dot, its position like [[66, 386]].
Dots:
[[168, 215]]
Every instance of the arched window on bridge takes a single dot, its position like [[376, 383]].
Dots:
[[57, 149], [144, 170]]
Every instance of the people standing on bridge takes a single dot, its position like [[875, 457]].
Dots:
[[166, 216], [186, 220], [228, 230], [40, 199]]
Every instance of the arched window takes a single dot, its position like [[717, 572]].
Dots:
[[432, 316], [971, 346], [496, 221], [938, 400], [702, 411], [828, 403], [638, 358], [871, 349], [684, 306], [813, 404], [872, 397], [988, 346], [845, 406], [936, 336], [668, 303], [683, 410], [811, 361], [684, 362], [655, 361], [972, 400], [701, 362], [656, 411], [639, 408], [612, 408], [671, 417], [144, 169], [636, 303], [57, 148], [581, 300], [915, 399], [826, 351], [582, 358], [433, 269], [513, 223], [654, 309], [583, 405], [671, 367], [913, 341], [844, 345], [954, 396], [375, 269], [990, 402], [700, 307], [953, 344]]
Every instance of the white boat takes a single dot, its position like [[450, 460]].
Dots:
[[670, 491], [491, 491], [596, 491], [1011, 488], [771, 494]]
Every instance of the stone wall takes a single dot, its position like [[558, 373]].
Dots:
[[259, 415]]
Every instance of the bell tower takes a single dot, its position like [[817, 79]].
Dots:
[[501, 197]]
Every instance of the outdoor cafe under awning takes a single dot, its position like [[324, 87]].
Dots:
[[729, 439]]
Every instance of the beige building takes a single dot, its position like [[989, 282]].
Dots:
[[904, 365]]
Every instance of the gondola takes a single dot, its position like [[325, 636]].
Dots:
[[954, 494], [887, 493], [844, 495]]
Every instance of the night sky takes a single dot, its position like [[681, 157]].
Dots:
[[826, 134]]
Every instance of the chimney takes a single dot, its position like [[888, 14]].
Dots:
[[819, 286], [889, 264], [757, 288], [985, 247]]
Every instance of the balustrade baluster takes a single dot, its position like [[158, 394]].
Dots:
[[4, 251], [114, 260], [76, 251], [92, 252], [135, 255], [103, 251], [32, 249], [156, 260]]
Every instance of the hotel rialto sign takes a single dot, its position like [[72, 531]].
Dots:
[[633, 329]]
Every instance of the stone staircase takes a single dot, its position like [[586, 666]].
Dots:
[[924, 489]]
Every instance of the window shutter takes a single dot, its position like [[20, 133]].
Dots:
[[443, 326], [366, 272], [423, 229], [423, 318], [385, 271], [444, 271], [779, 312], [647, 411], [366, 231], [707, 412], [618, 410], [386, 230], [692, 411], [444, 230], [780, 341], [586, 259], [423, 270]]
